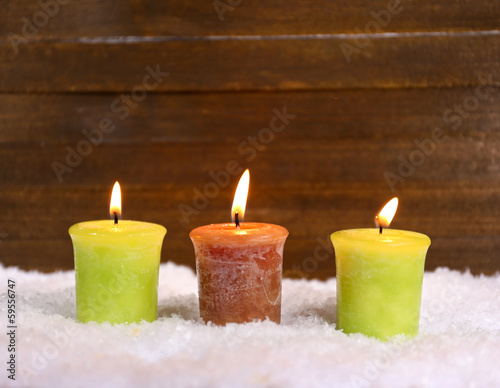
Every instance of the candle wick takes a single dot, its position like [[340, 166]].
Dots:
[[236, 220], [377, 223], [116, 218]]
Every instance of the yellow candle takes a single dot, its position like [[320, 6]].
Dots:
[[116, 269], [379, 280]]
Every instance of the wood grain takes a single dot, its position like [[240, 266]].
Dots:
[[323, 172], [312, 161], [39, 218], [40, 213], [417, 97], [455, 253], [90, 18], [229, 118], [289, 63]]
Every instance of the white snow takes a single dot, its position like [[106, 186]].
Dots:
[[458, 344]]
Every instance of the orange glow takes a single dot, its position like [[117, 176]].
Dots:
[[115, 205], [384, 218], [240, 197]]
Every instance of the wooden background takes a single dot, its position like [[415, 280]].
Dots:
[[326, 170]]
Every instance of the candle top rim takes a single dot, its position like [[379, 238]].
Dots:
[[106, 228], [394, 237], [254, 231]]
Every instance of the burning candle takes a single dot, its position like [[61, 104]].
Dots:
[[379, 278], [116, 267], [239, 266]]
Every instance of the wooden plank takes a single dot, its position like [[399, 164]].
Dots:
[[229, 118], [479, 255], [91, 18], [450, 211], [278, 63], [466, 160], [356, 118], [35, 221]]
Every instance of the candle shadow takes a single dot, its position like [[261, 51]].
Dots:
[[326, 312], [185, 306]]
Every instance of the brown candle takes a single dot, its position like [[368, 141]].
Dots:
[[239, 266], [239, 271]]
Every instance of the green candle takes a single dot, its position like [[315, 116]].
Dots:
[[116, 270], [379, 280]]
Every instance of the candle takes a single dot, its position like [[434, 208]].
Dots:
[[379, 278], [116, 267], [239, 266]]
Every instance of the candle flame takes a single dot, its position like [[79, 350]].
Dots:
[[384, 218], [115, 205], [240, 197]]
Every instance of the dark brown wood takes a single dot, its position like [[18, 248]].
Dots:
[[288, 63], [410, 107], [39, 218], [378, 115], [42, 213], [90, 18], [323, 172], [308, 161], [456, 253]]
